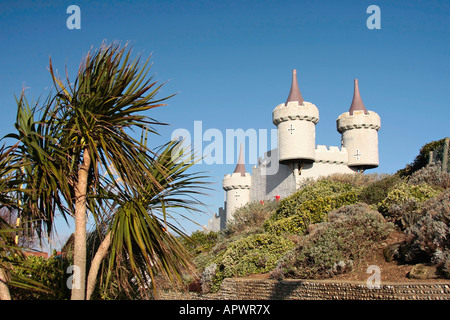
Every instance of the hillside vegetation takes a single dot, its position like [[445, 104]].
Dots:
[[330, 226]]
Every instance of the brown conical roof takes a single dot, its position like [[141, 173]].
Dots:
[[357, 103], [294, 94], [240, 167]]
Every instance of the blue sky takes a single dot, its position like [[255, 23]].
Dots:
[[230, 63]]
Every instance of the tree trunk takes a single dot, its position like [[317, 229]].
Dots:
[[79, 253], [4, 290], [95, 264]]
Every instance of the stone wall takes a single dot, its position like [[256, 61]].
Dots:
[[252, 289]]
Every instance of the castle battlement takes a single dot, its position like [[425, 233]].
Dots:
[[331, 155], [294, 110], [236, 181], [358, 120]]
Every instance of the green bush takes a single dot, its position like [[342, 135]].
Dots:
[[200, 241], [322, 188], [428, 238], [336, 247], [251, 217], [378, 190], [257, 253], [310, 211], [431, 175], [405, 198], [50, 273]]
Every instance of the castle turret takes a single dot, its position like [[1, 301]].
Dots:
[[359, 128], [237, 187], [296, 122]]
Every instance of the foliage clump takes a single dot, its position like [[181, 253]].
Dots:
[[321, 188], [256, 253], [250, 218], [427, 240], [375, 192], [311, 205], [48, 273], [308, 212], [405, 198], [335, 246], [431, 175]]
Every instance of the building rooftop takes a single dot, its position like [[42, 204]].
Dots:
[[357, 104], [294, 94], [240, 167]]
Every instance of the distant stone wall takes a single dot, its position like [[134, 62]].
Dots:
[[252, 289]]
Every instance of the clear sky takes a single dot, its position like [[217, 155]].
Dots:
[[231, 61]]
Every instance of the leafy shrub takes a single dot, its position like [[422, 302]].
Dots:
[[310, 211], [322, 188], [50, 273], [431, 175], [200, 241], [257, 253], [337, 246], [428, 238], [378, 190], [349, 211], [405, 198], [251, 217]]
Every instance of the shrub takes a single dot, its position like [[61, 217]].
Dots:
[[310, 211], [251, 217], [200, 241], [431, 175], [337, 246], [322, 188], [403, 199], [50, 272], [290, 225], [427, 240], [257, 253], [378, 190]]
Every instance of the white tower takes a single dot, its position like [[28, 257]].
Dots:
[[359, 128], [237, 188], [296, 123]]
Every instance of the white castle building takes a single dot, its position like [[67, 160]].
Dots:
[[297, 156]]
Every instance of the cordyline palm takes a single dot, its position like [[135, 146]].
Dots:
[[95, 113], [140, 236], [41, 167]]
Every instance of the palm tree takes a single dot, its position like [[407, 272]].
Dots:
[[140, 235], [83, 132]]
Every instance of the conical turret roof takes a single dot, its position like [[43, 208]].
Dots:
[[294, 94], [240, 167], [357, 103]]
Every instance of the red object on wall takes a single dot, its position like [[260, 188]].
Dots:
[[277, 197]]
